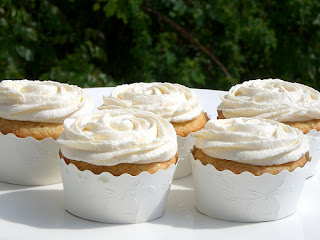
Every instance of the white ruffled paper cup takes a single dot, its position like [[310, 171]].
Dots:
[[27, 161], [245, 197], [115, 199], [314, 152], [185, 144]]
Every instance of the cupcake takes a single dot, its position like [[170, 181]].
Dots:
[[291, 103], [176, 103], [249, 169], [117, 165], [31, 119]]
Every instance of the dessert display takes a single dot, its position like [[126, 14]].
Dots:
[[249, 169], [117, 165], [176, 103], [30, 211], [291, 103], [31, 119]]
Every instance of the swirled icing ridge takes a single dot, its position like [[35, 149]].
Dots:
[[271, 99], [253, 141], [174, 102], [111, 137], [42, 101]]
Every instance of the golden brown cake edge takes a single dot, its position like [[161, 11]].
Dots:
[[37, 130], [122, 168], [237, 168], [194, 125]]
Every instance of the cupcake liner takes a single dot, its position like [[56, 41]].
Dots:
[[245, 197], [184, 166], [314, 152], [27, 161], [115, 199]]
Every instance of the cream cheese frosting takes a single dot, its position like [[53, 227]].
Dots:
[[271, 99], [111, 137], [174, 102], [42, 101], [253, 141]]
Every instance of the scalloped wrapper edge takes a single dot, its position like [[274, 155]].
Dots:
[[184, 168], [245, 197], [27, 161], [314, 152], [115, 199]]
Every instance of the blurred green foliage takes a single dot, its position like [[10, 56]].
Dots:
[[109, 42]]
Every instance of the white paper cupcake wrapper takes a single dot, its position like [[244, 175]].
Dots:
[[115, 199], [245, 197], [184, 166], [314, 141], [27, 161]]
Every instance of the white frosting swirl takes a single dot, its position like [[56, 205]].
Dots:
[[110, 137], [42, 101], [174, 102], [272, 99], [253, 141]]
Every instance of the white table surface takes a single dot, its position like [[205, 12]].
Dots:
[[38, 212]]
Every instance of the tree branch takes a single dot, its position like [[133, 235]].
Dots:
[[189, 37]]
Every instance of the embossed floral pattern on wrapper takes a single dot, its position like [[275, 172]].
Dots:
[[314, 141], [110, 138], [116, 199], [184, 167], [26, 160], [290, 103], [174, 102], [245, 197]]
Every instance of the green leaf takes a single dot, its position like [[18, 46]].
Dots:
[[110, 8], [96, 7], [24, 52], [32, 34], [3, 22]]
